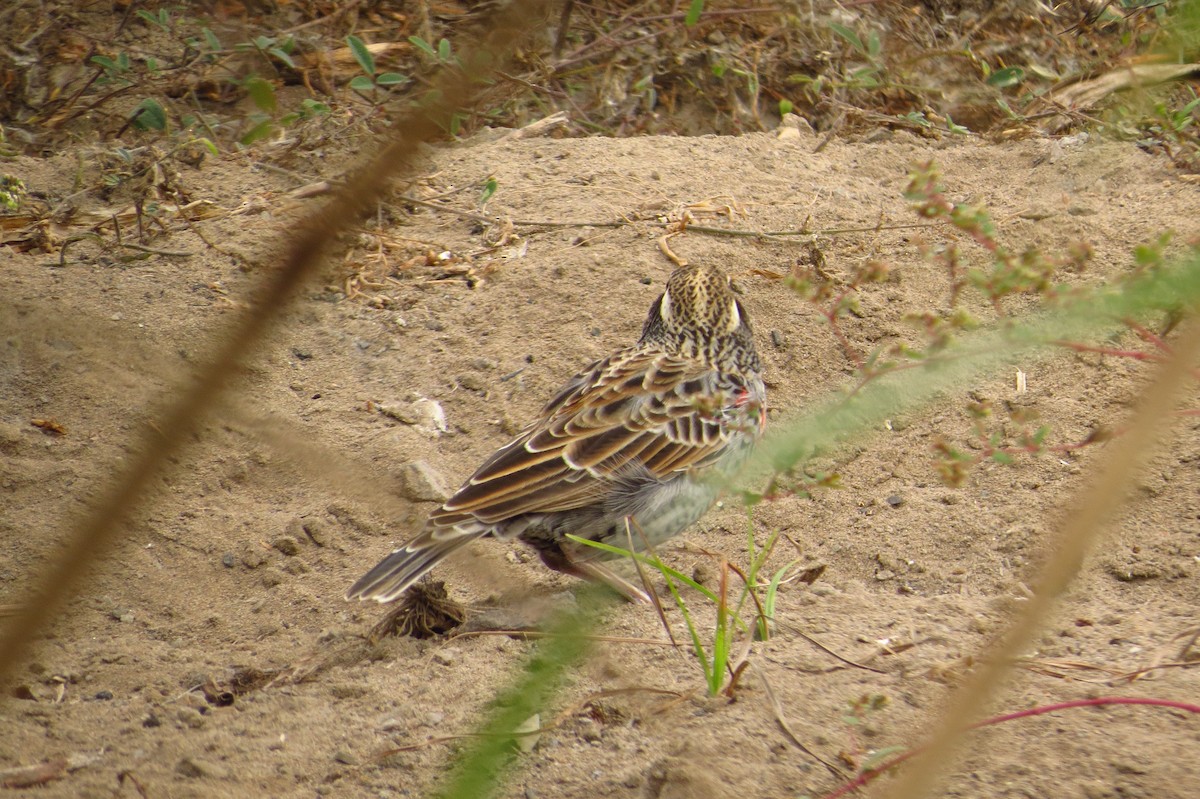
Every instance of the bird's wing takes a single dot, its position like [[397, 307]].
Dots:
[[665, 414]]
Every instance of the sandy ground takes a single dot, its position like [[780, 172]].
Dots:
[[303, 481]]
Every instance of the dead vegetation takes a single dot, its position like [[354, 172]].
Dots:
[[285, 73]]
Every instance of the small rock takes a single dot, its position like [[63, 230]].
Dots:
[[302, 354], [431, 417], [435, 718], [286, 544], [251, 556], [24, 692], [794, 122], [528, 735], [446, 656], [317, 532], [104, 696], [121, 614], [895, 500], [195, 767], [703, 574], [11, 438], [472, 382], [151, 721], [590, 731], [404, 414], [1036, 214], [345, 758], [296, 566], [229, 560], [422, 483], [190, 717]]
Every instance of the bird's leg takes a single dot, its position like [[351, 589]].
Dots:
[[566, 562], [603, 574]]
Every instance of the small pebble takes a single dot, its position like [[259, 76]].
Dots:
[[195, 767], [296, 567], [345, 758], [229, 560], [446, 656], [317, 532], [286, 544], [190, 717], [895, 500], [422, 483], [472, 382], [104, 695], [251, 556]]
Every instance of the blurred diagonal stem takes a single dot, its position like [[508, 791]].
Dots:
[[93, 536]]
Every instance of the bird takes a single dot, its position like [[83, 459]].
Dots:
[[630, 452]]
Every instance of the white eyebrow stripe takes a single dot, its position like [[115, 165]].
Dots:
[[735, 318]]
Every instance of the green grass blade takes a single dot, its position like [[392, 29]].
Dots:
[[480, 769]]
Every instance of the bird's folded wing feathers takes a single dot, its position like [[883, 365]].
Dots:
[[657, 410]]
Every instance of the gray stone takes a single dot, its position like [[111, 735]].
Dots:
[[422, 483]]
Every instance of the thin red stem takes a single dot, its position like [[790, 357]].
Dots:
[[1148, 336], [867, 776], [1137, 355]]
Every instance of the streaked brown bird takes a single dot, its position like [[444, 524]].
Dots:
[[633, 449]]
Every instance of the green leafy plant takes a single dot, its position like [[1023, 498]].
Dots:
[[713, 658], [159, 19], [714, 650], [116, 69], [150, 115], [269, 47], [371, 85], [12, 190], [441, 53]]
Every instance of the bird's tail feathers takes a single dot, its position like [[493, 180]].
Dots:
[[392, 576]]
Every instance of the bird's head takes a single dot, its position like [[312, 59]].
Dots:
[[698, 315]]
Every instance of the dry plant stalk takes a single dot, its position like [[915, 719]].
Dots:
[[1089, 514], [93, 535]]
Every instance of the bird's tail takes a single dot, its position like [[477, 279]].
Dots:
[[392, 576]]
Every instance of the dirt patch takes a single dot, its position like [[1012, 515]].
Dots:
[[231, 579]]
